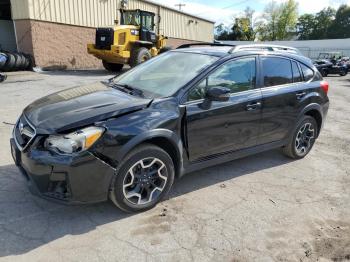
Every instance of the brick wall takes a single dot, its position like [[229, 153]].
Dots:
[[60, 46]]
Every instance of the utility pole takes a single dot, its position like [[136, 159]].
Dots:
[[180, 6]]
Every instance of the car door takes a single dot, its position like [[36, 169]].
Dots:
[[215, 127], [281, 95]]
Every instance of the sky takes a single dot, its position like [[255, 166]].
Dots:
[[223, 11]]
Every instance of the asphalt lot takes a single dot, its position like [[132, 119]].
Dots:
[[260, 208]]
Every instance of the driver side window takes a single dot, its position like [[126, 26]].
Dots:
[[238, 75]]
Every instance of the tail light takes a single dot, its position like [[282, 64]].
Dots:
[[325, 86]]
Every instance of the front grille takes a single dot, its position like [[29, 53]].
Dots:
[[23, 132]]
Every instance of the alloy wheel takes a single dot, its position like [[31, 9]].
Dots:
[[145, 181], [304, 138]]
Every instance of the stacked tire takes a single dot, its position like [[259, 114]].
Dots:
[[15, 62]]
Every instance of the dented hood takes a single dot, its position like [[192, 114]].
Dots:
[[80, 106]]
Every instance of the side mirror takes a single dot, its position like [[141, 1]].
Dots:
[[218, 93]]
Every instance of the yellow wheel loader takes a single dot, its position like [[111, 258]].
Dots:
[[132, 42]]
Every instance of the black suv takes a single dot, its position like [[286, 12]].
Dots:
[[128, 138]]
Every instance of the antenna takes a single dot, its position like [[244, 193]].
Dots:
[[180, 6]]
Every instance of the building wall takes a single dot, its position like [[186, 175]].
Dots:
[[101, 13], [59, 46], [56, 32]]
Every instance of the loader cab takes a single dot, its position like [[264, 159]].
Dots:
[[142, 19]]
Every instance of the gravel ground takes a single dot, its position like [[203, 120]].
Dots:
[[260, 208]]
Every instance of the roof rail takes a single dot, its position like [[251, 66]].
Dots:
[[203, 44]]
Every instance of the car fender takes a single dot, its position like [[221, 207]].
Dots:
[[309, 107], [171, 136]]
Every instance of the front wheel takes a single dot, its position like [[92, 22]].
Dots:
[[139, 55], [303, 138], [145, 176]]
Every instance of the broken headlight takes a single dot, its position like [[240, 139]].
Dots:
[[77, 141]]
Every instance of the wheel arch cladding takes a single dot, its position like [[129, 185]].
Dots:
[[170, 148], [165, 139], [317, 116]]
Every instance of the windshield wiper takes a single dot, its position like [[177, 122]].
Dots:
[[128, 89]]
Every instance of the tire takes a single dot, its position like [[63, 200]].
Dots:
[[2, 78], [324, 72], [23, 62], [139, 55], [19, 62], [343, 73], [294, 147], [124, 183], [112, 67], [29, 62], [26, 63], [165, 49], [3, 59], [10, 63]]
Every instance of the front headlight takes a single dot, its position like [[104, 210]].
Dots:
[[77, 141]]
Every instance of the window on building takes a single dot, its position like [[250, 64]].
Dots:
[[5, 10]]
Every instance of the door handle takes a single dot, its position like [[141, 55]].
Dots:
[[300, 95], [253, 106]]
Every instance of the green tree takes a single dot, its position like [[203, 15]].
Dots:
[[221, 32], [306, 26], [242, 28], [340, 27], [287, 19], [278, 21], [323, 22]]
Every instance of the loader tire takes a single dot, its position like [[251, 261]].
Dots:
[[139, 55]]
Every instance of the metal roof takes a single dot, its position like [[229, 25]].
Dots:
[[178, 11]]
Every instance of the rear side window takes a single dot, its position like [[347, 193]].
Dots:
[[307, 72], [297, 77], [276, 71]]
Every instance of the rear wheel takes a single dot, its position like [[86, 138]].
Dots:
[[324, 72], [145, 176], [343, 72], [112, 67], [302, 139], [139, 55]]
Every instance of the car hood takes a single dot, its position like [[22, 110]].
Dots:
[[80, 106]]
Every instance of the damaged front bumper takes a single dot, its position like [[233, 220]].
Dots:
[[71, 179]]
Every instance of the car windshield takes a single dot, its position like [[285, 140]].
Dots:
[[165, 74]]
